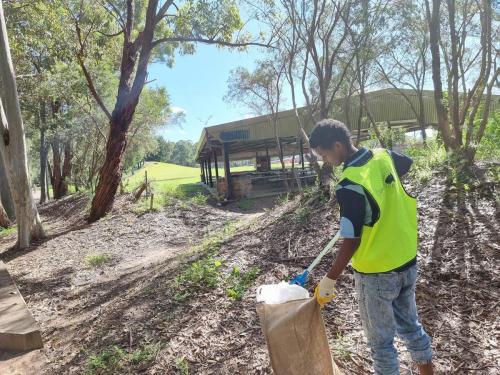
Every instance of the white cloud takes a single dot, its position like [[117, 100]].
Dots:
[[178, 110]]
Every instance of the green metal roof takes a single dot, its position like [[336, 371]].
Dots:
[[248, 136]]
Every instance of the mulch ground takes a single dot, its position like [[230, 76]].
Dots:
[[130, 301]]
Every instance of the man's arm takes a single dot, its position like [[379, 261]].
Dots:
[[402, 163], [352, 212], [344, 255]]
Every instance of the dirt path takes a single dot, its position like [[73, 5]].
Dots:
[[65, 293]]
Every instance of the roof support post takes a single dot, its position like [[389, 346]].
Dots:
[[227, 172], [202, 166], [302, 153], [216, 166], [210, 172], [206, 172], [267, 156]]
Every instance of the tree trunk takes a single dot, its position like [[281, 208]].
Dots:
[[13, 147], [43, 166], [5, 195], [4, 219], [111, 171], [56, 178], [66, 168], [47, 180], [421, 117], [370, 117], [280, 152], [60, 174], [434, 36]]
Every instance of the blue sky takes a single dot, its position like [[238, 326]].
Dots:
[[197, 84]]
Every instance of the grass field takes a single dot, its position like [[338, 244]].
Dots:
[[173, 175], [169, 177]]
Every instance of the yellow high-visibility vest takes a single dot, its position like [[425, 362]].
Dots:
[[392, 241]]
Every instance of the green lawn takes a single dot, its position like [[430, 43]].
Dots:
[[167, 176], [172, 175]]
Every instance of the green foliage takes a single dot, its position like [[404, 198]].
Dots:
[[114, 359], [489, 147], [107, 361], [426, 159], [238, 282], [259, 90], [6, 231], [312, 194], [201, 274], [199, 199], [145, 353], [151, 114], [97, 260], [163, 152], [182, 366], [186, 193], [389, 136], [282, 199]]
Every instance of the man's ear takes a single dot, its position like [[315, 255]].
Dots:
[[337, 146]]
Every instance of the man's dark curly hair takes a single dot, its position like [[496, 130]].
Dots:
[[329, 131]]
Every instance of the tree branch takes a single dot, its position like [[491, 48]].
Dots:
[[208, 41]]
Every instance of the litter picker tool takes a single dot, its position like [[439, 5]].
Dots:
[[301, 279]]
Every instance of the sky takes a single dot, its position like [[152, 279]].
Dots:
[[197, 83]]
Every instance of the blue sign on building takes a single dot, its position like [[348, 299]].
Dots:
[[233, 135]]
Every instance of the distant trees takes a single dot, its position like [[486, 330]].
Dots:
[[181, 152]]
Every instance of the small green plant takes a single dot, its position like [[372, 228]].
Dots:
[[145, 353], [160, 200], [107, 360], [282, 200], [301, 215], [6, 231], [114, 358], [238, 282], [426, 160], [339, 347], [182, 366], [97, 260], [246, 204], [199, 199], [202, 273]]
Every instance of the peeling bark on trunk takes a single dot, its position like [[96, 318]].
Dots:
[[111, 171], [5, 195], [13, 147]]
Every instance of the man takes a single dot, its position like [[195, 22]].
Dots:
[[378, 224]]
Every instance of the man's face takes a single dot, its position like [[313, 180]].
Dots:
[[334, 155]]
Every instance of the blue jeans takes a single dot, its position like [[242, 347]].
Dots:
[[387, 305]]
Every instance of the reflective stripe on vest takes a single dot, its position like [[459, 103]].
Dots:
[[392, 240]]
